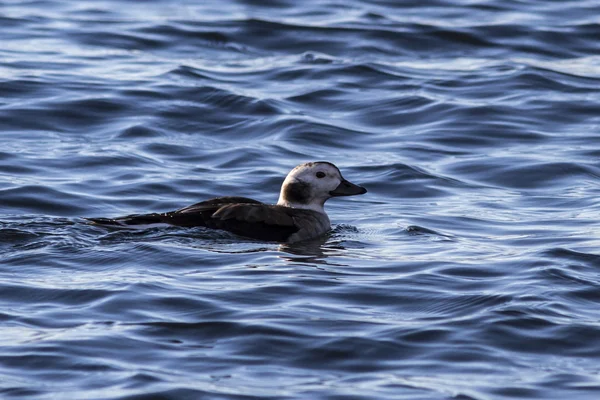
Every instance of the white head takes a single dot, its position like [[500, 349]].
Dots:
[[311, 184]]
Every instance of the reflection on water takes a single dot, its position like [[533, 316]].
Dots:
[[314, 251]]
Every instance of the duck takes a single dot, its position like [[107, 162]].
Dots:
[[298, 215]]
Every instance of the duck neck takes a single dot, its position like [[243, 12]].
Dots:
[[314, 205], [298, 194]]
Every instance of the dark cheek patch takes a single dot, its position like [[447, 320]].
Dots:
[[297, 192]]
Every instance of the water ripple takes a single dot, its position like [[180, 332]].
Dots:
[[469, 270]]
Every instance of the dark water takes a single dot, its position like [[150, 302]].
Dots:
[[471, 269]]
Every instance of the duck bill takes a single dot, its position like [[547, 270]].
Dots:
[[346, 188]]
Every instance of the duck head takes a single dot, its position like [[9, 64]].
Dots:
[[311, 184]]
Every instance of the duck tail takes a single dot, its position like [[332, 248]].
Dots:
[[136, 221]]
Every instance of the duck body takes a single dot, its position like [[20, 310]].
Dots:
[[298, 215], [239, 215]]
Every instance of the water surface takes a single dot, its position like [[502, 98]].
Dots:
[[469, 271]]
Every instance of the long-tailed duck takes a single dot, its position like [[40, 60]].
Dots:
[[298, 215]]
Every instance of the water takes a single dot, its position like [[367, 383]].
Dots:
[[470, 270]]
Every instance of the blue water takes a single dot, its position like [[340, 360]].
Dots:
[[470, 270]]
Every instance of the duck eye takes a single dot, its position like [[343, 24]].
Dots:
[[320, 174]]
